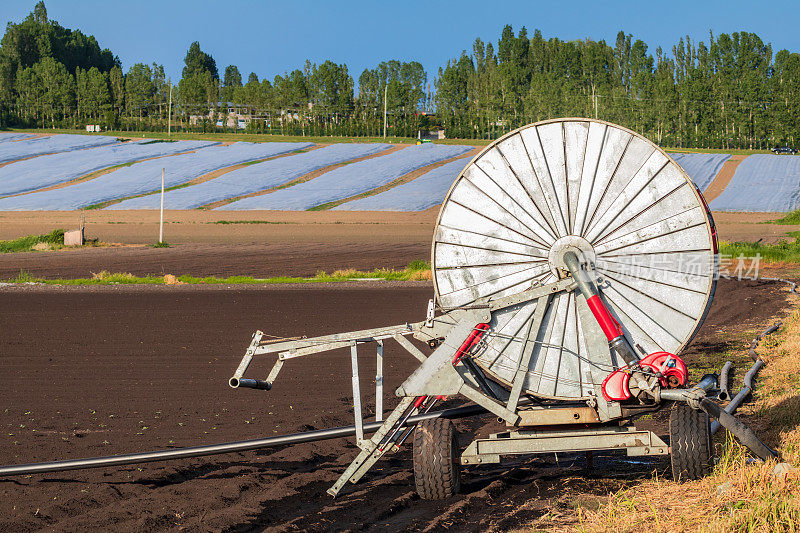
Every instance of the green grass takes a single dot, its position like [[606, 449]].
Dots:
[[783, 251], [324, 207], [23, 277], [160, 244], [733, 151], [261, 137], [25, 244], [100, 205], [248, 163], [416, 270], [790, 218], [249, 137], [418, 265]]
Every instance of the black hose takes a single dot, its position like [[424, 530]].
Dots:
[[754, 344], [751, 374], [724, 376], [743, 434], [228, 447], [737, 400], [247, 383]]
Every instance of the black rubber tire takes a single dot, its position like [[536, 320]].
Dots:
[[692, 453], [437, 467]]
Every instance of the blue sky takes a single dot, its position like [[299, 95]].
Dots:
[[269, 38]]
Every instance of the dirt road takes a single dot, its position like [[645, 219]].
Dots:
[[262, 243]]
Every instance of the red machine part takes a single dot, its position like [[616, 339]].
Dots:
[[474, 338], [670, 369], [610, 327]]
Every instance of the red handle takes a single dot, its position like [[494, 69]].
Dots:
[[610, 327]]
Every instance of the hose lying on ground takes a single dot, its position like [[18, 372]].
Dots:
[[739, 399], [742, 432]]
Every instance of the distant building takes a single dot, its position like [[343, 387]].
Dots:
[[433, 135], [93, 127], [235, 115]]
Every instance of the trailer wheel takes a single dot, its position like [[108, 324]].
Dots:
[[437, 468], [690, 440]]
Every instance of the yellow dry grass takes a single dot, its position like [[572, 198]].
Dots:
[[740, 495], [421, 275], [408, 274], [105, 275], [344, 272]]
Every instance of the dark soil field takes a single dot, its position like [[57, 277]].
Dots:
[[105, 370], [222, 260]]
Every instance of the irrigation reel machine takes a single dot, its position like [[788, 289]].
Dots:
[[572, 261]]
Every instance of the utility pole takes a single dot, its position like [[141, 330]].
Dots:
[[385, 92], [169, 120], [161, 224]]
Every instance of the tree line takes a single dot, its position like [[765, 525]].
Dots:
[[729, 93]]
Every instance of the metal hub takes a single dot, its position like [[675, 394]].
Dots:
[[570, 243]]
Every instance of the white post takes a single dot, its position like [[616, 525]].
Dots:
[[161, 224], [169, 120], [385, 92], [379, 384], [356, 393]]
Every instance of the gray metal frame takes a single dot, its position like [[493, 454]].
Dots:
[[635, 442], [437, 376]]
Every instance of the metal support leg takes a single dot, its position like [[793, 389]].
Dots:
[[413, 350], [369, 452], [248, 355], [356, 393], [273, 374], [527, 351], [379, 384]]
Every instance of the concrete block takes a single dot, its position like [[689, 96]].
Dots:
[[73, 238]]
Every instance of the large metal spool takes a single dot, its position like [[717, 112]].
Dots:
[[586, 185]]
